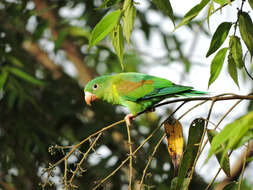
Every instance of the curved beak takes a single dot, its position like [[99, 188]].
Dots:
[[89, 97]]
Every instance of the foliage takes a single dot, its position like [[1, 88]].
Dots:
[[46, 57]]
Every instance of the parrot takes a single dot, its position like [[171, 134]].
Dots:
[[136, 91]]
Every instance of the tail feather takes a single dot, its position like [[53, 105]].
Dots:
[[193, 93]]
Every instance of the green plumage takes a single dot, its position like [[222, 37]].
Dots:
[[136, 91]]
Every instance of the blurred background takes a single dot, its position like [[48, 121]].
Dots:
[[45, 63]]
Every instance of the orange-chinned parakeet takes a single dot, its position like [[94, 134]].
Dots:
[[136, 91]]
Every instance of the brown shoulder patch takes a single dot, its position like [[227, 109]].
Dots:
[[129, 86]]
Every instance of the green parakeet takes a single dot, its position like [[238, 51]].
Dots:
[[136, 91]]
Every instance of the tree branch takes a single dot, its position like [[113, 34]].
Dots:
[[220, 97], [72, 52], [42, 57]]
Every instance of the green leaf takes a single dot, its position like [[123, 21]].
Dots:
[[232, 70], [118, 42], [192, 13], [209, 12], [250, 159], [15, 61], [235, 48], [185, 185], [231, 186], [195, 133], [128, 18], [12, 98], [219, 37], [216, 65], [246, 30], [165, 7], [251, 3], [108, 3], [79, 32], [3, 78], [21, 74], [104, 27], [221, 2], [62, 35], [246, 138], [232, 134], [225, 165], [41, 27]]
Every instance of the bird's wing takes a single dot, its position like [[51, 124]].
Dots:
[[136, 87], [172, 90]]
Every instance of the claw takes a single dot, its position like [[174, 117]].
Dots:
[[129, 118]]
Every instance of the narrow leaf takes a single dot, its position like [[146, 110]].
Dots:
[[79, 32], [251, 3], [232, 70], [216, 65], [246, 30], [41, 27], [232, 134], [195, 133], [108, 3], [246, 138], [235, 48], [221, 2], [250, 159], [225, 164], [62, 35], [12, 98], [209, 12], [128, 18], [25, 76], [185, 185], [118, 42], [104, 27], [219, 37], [165, 7], [192, 13], [3, 78], [15, 61], [231, 186], [173, 129]]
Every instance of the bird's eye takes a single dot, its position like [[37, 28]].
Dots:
[[95, 86]]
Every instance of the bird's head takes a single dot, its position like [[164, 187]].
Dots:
[[95, 89]]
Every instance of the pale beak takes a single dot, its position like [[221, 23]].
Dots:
[[89, 97]]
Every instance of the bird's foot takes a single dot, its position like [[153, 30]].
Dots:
[[129, 118]]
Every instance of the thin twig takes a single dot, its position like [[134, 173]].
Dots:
[[221, 97], [243, 166], [202, 138], [150, 159], [223, 117], [217, 125], [245, 68], [83, 141], [137, 149], [192, 108], [130, 158], [84, 157], [124, 161], [66, 186], [216, 175]]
